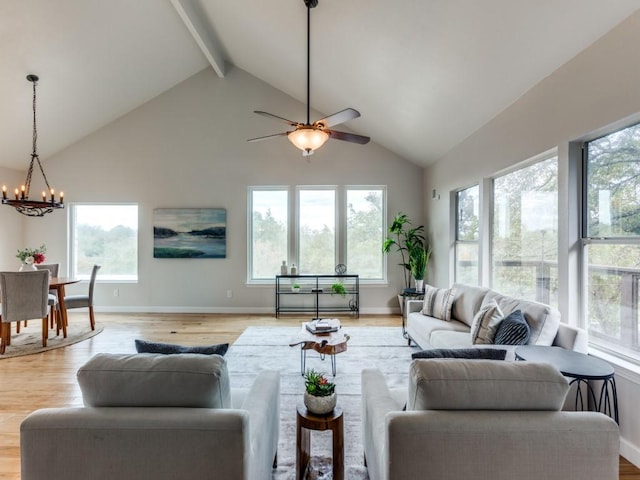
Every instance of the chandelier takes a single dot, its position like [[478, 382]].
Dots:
[[22, 203]]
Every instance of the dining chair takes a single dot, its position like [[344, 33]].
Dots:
[[23, 296], [82, 301], [53, 298]]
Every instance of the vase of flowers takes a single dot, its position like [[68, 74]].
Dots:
[[320, 396], [30, 257]]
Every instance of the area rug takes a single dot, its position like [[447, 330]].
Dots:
[[261, 348], [29, 340]]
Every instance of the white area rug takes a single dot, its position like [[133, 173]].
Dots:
[[261, 348]]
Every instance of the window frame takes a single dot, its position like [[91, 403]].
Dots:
[[457, 242]]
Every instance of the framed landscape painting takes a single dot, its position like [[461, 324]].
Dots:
[[189, 233]]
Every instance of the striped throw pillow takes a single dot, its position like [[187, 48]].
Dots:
[[485, 323], [438, 302], [514, 330]]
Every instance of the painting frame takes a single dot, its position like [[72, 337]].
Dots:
[[189, 233]]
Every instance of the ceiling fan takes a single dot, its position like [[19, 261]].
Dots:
[[308, 136]]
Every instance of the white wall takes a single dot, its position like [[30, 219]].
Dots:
[[599, 87], [188, 148], [11, 222]]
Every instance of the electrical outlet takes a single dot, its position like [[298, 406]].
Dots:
[[229, 294], [116, 292]]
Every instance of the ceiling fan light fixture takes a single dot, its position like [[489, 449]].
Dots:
[[308, 139]]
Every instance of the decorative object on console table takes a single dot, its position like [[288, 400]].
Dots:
[[295, 288], [284, 270], [339, 289], [294, 270], [22, 203], [319, 396]]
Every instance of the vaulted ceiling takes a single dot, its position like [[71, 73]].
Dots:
[[424, 74]]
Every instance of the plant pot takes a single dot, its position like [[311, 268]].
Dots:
[[295, 289], [320, 405], [419, 285]]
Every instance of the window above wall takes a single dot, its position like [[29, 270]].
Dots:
[[316, 228], [106, 235]]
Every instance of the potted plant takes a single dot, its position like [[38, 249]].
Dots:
[[295, 288], [418, 261], [339, 289], [404, 238], [319, 396]]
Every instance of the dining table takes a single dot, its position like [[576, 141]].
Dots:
[[58, 284]]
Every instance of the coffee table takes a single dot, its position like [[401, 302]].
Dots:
[[330, 344], [580, 368]]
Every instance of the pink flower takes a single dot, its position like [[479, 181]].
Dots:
[[38, 258]]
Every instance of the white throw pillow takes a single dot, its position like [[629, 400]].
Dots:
[[438, 302], [485, 323]]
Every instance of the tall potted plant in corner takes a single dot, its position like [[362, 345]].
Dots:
[[418, 261], [404, 238]]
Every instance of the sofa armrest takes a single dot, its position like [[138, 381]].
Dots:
[[377, 401], [414, 306], [572, 338], [263, 404]]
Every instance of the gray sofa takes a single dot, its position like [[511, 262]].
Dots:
[[543, 320], [485, 420], [156, 417]]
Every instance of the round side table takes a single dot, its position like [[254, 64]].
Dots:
[[580, 368], [306, 421]]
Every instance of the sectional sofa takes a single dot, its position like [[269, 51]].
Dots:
[[543, 320]]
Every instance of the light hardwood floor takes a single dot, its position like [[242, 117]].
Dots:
[[48, 379]]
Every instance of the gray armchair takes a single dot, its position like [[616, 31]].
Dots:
[[85, 301], [156, 417], [24, 296]]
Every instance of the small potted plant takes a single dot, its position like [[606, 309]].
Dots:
[[319, 396], [295, 288], [418, 260], [339, 289]]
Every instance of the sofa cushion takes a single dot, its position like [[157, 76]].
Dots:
[[438, 302], [513, 330], [446, 384], [155, 380], [468, 353], [467, 301], [143, 346], [543, 320], [485, 323]]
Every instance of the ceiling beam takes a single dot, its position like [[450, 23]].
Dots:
[[201, 34]]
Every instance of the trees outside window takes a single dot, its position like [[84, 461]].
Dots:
[[467, 235], [106, 235], [611, 240], [524, 238]]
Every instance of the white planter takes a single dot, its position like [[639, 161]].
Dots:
[[320, 405], [419, 285]]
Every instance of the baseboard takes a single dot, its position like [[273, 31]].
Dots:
[[630, 451], [229, 310]]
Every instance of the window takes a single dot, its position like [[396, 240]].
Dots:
[[268, 231], [365, 232], [106, 235], [524, 243], [467, 235], [332, 225], [611, 241]]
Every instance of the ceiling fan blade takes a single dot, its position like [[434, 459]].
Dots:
[[271, 115], [266, 137], [349, 137], [339, 117]]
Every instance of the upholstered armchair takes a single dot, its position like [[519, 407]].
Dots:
[[156, 417], [482, 419]]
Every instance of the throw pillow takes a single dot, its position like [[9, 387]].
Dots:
[[438, 302], [142, 346], [485, 323], [468, 353], [514, 330]]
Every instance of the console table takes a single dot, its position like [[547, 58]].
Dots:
[[580, 368], [316, 295]]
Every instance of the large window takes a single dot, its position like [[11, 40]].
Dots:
[[611, 239], [319, 228], [105, 235], [524, 243], [467, 235]]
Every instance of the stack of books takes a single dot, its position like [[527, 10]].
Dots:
[[322, 325]]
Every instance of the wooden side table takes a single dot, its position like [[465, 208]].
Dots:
[[307, 421]]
